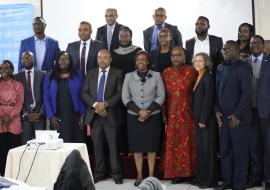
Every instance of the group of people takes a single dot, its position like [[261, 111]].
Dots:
[[188, 105]]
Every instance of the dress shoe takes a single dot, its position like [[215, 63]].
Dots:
[[267, 185], [224, 186], [178, 180], [118, 180], [97, 179], [253, 183]]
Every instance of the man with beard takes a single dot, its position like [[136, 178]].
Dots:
[[204, 42]]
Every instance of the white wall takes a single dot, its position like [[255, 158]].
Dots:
[[262, 16], [63, 16]]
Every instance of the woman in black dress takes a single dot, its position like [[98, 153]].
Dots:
[[62, 101], [206, 128]]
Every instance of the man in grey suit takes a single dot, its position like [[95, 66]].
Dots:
[[108, 33], [102, 93], [150, 35], [32, 113], [84, 52]]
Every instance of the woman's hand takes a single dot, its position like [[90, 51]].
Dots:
[[55, 122], [143, 115]]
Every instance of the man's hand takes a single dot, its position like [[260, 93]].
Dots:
[[55, 122], [33, 117], [234, 122], [81, 121], [102, 113], [100, 107], [218, 116]]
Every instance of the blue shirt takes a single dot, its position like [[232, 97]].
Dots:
[[154, 39], [40, 46]]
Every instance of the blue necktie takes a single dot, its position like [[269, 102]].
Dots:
[[256, 60], [100, 94], [109, 37]]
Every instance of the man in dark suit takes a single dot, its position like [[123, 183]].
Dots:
[[43, 47], [102, 93], [32, 113], [204, 42], [233, 113], [108, 33], [150, 35], [84, 52], [260, 63]]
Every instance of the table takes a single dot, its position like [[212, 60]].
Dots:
[[46, 166]]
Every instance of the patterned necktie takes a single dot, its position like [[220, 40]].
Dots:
[[101, 86], [82, 66], [109, 37], [31, 99], [256, 60]]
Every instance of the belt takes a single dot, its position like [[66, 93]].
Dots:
[[7, 104]]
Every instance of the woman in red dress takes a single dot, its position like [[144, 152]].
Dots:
[[179, 146]]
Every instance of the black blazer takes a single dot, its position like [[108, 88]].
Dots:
[[74, 50], [176, 36], [38, 92], [204, 99], [215, 44], [237, 92], [102, 36], [112, 94]]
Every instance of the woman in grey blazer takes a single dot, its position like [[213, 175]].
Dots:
[[143, 94]]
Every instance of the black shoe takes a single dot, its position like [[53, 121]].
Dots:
[[253, 183], [267, 185], [97, 179], [118, 180], [224, 186], [178, 180], [137, 182]]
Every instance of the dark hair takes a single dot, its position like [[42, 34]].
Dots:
[[56, 70], [233, 43], [250, 27], [260, 37], [160, 9], [142, 52], [187, 60], [6, 61], [86, 23], [204, 18], [125, 28], [39, 18]]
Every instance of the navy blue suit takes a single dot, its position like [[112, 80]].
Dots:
[[264, 112], [234, 91], [74, 50], [52, 49]]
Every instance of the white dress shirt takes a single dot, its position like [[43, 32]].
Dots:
[[202, 46], [40, 47]]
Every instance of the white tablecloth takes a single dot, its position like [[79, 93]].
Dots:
[[46, 166]]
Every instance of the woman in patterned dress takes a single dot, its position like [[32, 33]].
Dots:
[[179, 146]]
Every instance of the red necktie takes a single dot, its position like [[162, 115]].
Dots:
[[83, 58], [31, 99]]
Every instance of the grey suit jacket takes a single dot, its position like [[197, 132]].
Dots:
[[38, 93], [143, 94], [112, 94], [176, 36], [74, 50]]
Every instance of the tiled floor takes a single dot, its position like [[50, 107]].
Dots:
[[128, 185]]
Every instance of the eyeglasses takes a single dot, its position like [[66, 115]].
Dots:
[[159, 15]]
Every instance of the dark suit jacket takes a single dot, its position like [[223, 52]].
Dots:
[[264, 88], [50, 94], [176, 36], [215, 44], [204, 99], [237, 92], [112, 94], [38, 92], [52, 49], [74, 50], [102, 36]]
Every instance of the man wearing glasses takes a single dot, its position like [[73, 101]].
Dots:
[[150, 35]]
